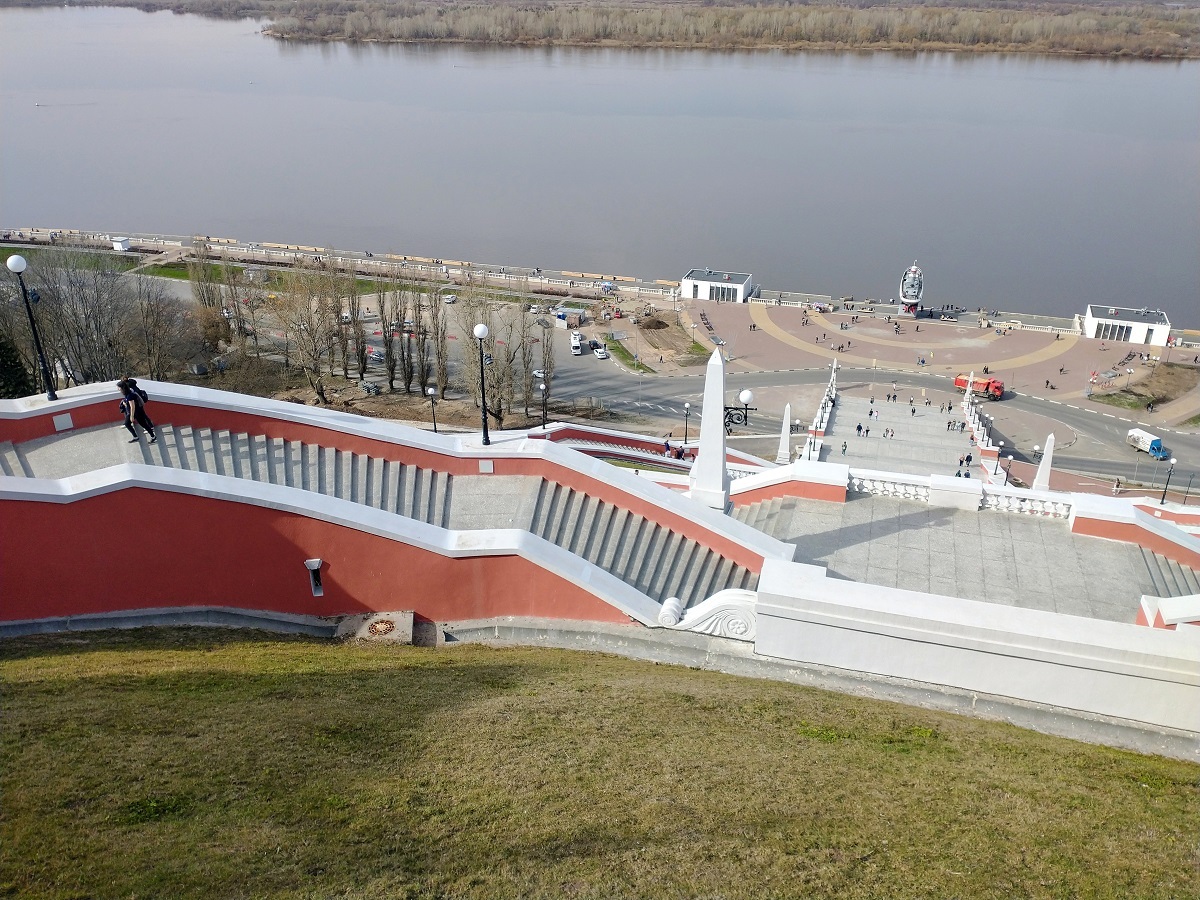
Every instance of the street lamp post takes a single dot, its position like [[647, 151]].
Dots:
[[687, 411], [1167, 484], [16, 265], [431, 392], [481, 332], [1008, 471], [1037, 451], [998, 452], [542, 388]]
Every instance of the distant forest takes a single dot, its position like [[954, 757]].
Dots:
[[1163, 31]]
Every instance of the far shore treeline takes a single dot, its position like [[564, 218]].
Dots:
[[1146, 31]]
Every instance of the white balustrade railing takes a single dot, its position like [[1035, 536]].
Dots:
[[889, 484], [1023, 501]]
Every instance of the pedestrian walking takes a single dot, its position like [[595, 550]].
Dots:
[[961, 459], [134, 407], [912, 410], [867, 431], [843, 448], [969, 457], [858, 430]]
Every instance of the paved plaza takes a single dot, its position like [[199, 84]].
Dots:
[[1011, 560]]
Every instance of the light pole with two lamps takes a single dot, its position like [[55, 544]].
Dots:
[[16, 265], [481, 332], [1171, 469]]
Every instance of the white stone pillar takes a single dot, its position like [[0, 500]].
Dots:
[[784, 455], [709, 478], [1041, 481]]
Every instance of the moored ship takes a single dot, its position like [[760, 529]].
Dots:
[[912, 285]]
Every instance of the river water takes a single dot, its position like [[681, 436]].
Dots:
[[1027, 183]]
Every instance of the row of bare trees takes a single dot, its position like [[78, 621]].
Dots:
[[321, 313], [96, 322]]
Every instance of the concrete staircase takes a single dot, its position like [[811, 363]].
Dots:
[[768, 516], [655, 560], [1169, 577], [922, 445], [409, 491], [12, 462], [645, 555]]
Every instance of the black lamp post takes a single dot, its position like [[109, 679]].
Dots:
[[481, 332], [687, 411], [16, 265], [431, 392], [1163, 501], [542, 388], [998, 452]]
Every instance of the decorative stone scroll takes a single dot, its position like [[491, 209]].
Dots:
[[729, 614]]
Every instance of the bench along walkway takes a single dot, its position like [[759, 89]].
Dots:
[[649, 557]]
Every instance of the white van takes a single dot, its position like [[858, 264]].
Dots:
[[577, 344]]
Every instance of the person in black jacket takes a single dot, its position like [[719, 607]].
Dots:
[[134, 407]]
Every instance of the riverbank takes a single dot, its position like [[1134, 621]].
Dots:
[[1090, 30]]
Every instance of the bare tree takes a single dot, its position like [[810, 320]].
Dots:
[[206, 289], [304, 307], [167, 332], [389, 313], [85, 312], [441, 347], [421, 366]]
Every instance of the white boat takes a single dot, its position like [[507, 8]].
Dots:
[[912, 285]]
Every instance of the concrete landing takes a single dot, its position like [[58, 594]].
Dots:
[[994, 557]]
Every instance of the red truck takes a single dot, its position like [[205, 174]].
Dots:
[[992, 388]]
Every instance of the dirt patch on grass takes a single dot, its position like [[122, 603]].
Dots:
[[1166, 382], [659, 337]]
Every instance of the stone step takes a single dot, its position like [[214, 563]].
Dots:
[[12, 462]]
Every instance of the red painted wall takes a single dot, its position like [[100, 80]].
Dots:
[[834, 493], [141, 548], [40, 425], [179, 414]]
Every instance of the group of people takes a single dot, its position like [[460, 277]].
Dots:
[[675, 452]]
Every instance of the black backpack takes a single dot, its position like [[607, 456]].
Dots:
[[136, 388]]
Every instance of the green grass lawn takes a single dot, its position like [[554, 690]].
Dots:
[[209, 763], [617, 349]]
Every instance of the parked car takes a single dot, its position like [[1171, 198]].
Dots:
[[601, 352], [539, 374], [450, 298], [376, 356]]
